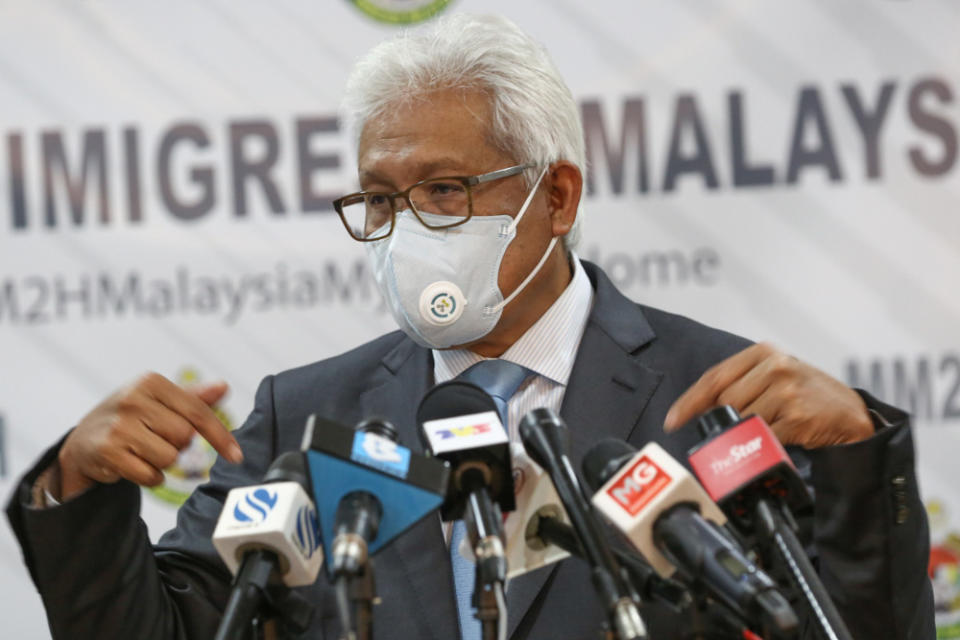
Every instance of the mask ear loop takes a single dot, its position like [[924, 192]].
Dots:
[[526, 281], [553, 241], [526, 203]]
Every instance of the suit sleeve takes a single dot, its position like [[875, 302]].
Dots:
[[870, 531], [97, 573]]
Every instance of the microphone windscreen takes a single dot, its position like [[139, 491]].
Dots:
[[381, 427], [544, 436], [289, 467], [452, 399], [603, 460], [717, 420]]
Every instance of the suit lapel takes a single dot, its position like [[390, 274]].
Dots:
[[608, 390], [610, 384], [416, 562]]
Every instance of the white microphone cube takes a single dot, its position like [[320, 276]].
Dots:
[[648, 485], [277, 516], [535, 493]]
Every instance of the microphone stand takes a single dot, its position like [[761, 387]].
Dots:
[[258, 597], [363, 592], [485, 531], [643, 578], [543, 434], [777, 534], [356, 597]]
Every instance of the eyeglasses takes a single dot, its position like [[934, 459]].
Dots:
[[438, 203]]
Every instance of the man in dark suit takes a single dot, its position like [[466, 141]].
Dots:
[[470, 158]]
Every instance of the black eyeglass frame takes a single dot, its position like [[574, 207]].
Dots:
[[466, 181]]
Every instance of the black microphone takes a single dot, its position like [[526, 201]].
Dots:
[[538, 533], [748, 473], [358, 516], [369, 489], [268, 534], [460, 424], [544, 436], [655, 502]]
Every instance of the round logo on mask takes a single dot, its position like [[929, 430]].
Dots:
[[442, 303]]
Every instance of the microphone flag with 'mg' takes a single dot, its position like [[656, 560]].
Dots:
[[665, 513], [342, 461], [539, 533]]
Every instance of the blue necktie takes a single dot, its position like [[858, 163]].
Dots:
[[500, 379]]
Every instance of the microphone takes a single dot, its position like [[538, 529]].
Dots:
[[746, 470], [544, 437], [666, 515], [539, 533], [459, 424], [369, 489], [358, 516], [267, 531], [538, 506], [742, 461]]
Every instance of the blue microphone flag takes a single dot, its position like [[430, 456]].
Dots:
[[341, 460]]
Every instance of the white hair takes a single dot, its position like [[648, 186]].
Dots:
[[535, 117]]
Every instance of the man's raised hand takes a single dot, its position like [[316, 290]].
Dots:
[[803, 405], [139, 430]]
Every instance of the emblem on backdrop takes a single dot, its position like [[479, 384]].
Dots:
[[944, 568], [192, 467], [401, 11]]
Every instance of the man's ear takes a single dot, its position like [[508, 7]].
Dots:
[[566, 186]]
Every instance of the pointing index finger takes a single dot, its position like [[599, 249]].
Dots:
[[703, 394], [197, 413]]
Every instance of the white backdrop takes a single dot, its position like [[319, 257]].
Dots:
[[786, 171]]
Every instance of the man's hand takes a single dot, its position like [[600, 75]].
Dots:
[[803, 405], [140, 430]]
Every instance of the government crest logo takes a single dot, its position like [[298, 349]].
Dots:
[[192, 467], [401, 11]]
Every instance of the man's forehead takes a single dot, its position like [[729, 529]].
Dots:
[[441, 112], [426, 164], [446, 131]]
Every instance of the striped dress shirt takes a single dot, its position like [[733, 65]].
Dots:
[[548, 348]]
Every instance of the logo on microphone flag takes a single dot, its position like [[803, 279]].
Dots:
[[308, 531], [375, 451], [465, 432], [255, 506], [640, 483], [737, 456], [469, 430]]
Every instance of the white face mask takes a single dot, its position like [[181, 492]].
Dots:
[[441, 284]]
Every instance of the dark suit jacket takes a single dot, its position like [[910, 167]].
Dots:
[[100, 578]]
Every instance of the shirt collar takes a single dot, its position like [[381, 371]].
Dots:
[[548, 348]]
